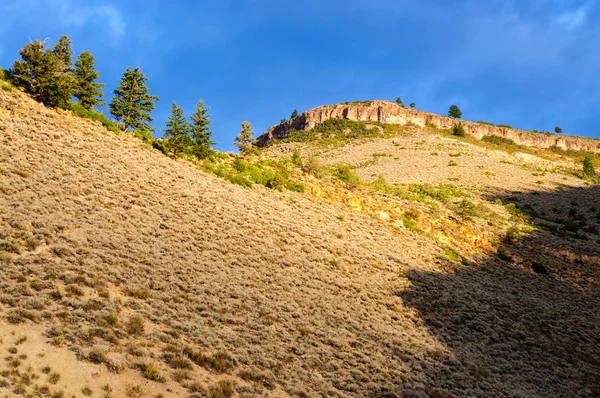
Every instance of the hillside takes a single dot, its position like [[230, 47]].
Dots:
[[129, 271]]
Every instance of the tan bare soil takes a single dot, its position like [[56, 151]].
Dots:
[[121, 265]]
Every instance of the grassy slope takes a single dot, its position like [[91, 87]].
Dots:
[[274, 293]]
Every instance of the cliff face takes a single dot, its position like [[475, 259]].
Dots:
[[391, 113]]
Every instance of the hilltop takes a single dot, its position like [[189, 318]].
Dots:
[[387, 112], [353, 264]]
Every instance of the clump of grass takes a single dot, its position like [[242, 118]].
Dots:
[[223, 389], [87, 391], [220, 362], [74, 290], [135, 326], [452, 255], [97, 355], [152, 373], [140, 293], [136, 391], [53, 378]]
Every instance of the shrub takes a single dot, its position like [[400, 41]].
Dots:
[[161, 145], [3, 74], [296, 159], [92, 115], [136, 325], [344, 172], [467, 209], [588, 168], [458, 130], [151, 373], [429, 123], [144, 135]]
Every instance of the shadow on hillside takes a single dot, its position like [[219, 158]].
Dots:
[[527, 321]]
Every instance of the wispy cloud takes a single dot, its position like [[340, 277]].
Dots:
[[574, 19], [71, 13]]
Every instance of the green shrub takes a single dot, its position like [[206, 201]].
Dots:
[[467, 209], [380, 184], [506, 126], [589, 173], [429, 123], [143, 135], [339, 129], [459, 130], [92, 115], [238, 165], [3, 74], [277, 181], [151, 373], [344, 172], [161, 146], [296, 159]]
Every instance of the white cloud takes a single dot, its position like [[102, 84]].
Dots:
[[574, 19], [72, 13]]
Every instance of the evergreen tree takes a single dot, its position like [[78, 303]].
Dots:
[[64, 52], [201, 133], [29, 71], [454, 112], [294, 114], [132, 104], [244, 140], [41, 74], [178, 130], [399, 101], [86, 89], [412, 105], [62, 87], [557, 130]]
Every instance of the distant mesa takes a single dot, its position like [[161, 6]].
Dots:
[[391, 113]]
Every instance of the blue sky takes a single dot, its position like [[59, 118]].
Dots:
[[533, 64]]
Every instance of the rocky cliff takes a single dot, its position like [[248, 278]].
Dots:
[[391, 113]]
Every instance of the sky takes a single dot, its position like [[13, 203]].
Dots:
[[531, 64]]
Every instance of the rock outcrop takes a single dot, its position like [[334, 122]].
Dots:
[[391, 113]]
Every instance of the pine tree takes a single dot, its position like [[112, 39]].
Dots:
[[42, 74], [28, 72], [399, 101], [201, 133], [412, 105], [62, 87], [454, 112], [64, 53], [557, 130], [85, 89], [178, 130], [132, 104], [244, 140], [294, 114]]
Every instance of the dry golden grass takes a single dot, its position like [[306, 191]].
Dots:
[[118, 259]]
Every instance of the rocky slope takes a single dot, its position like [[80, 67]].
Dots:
[[391, 113], [127, 273]]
